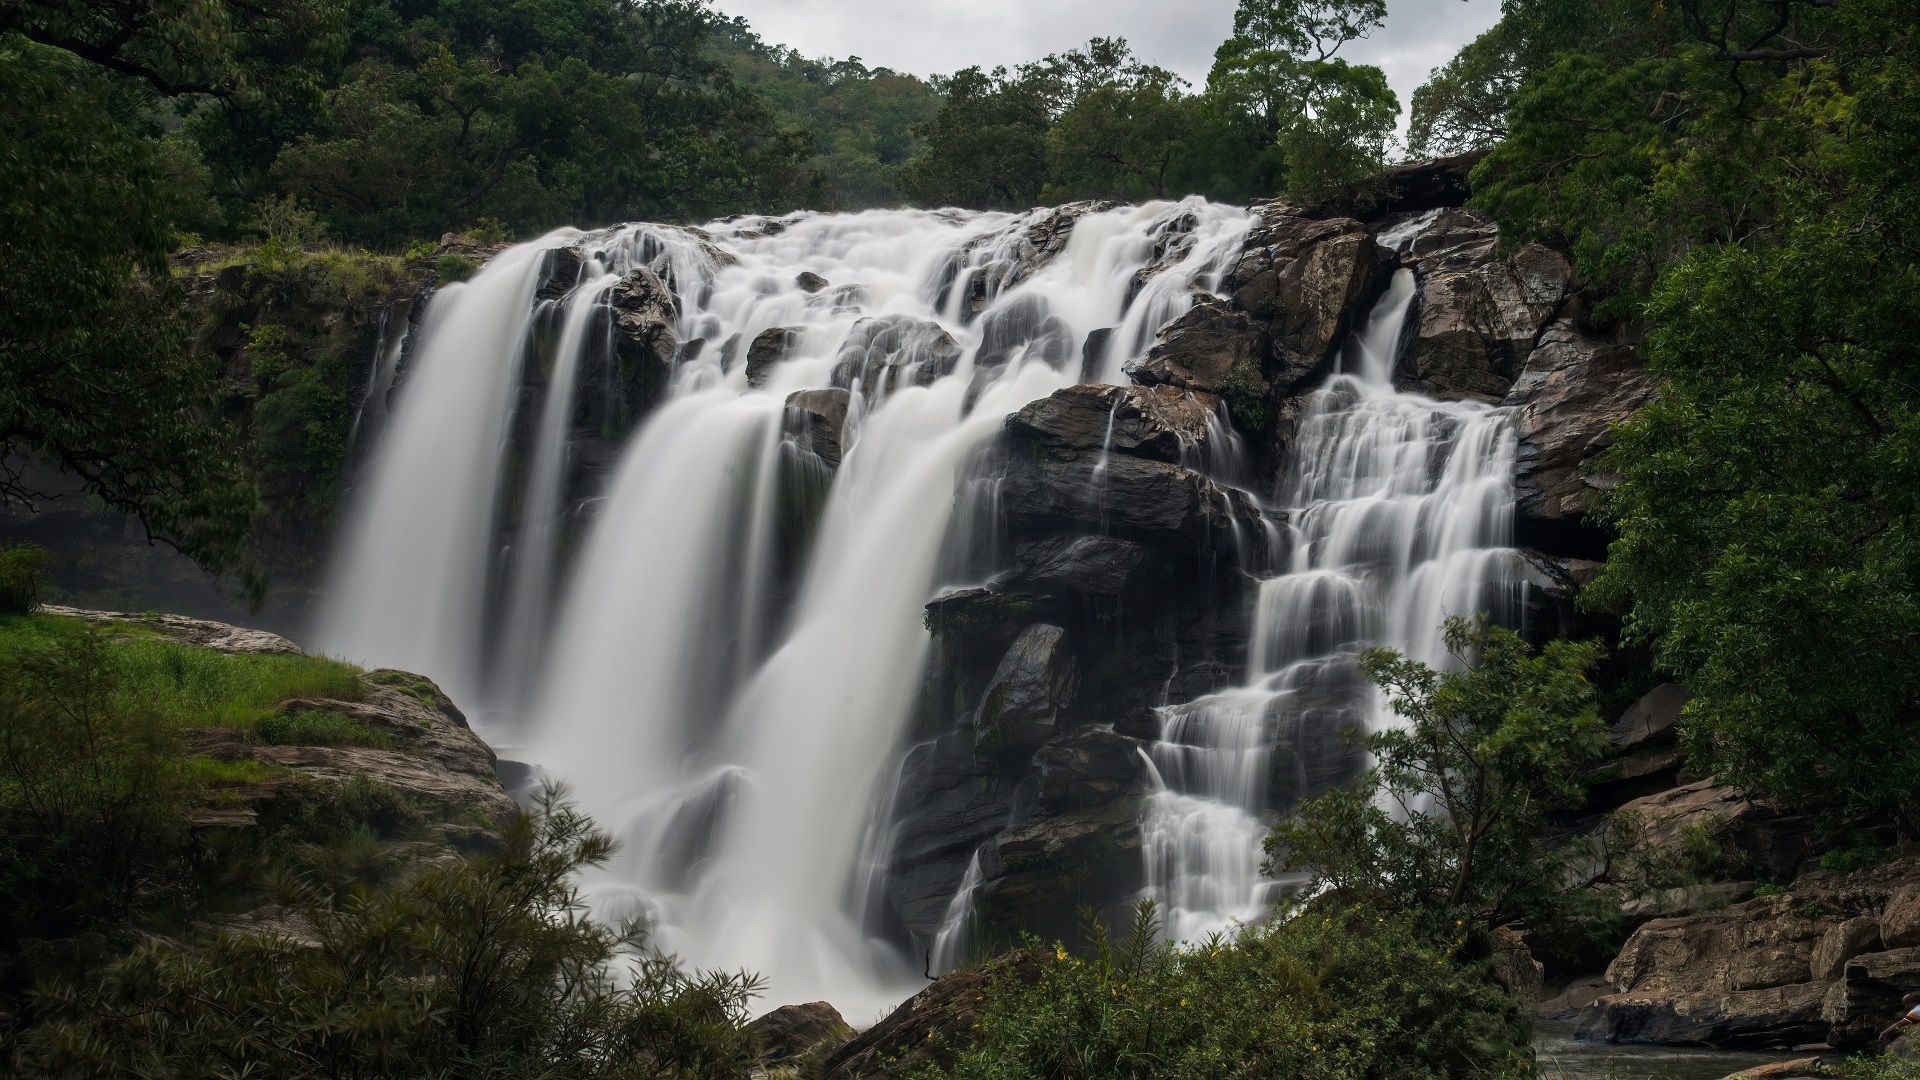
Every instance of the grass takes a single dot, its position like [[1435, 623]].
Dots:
[[315, 727], [186, 686]]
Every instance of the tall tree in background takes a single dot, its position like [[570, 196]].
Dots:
[[1308, 119]]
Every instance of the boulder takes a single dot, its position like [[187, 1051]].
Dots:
[[1306, 278], [1431, 184], [1866, 997], [1093, 353], [1086, 768], [1765, 839], [1036, 678], [1569, 999], [646, 342], [559, 272], [1573, 390], [1900, 921], [1213, 346], [769, 347], [1777, 1016], [1023, 323], [887, 351], [1084, 565], [932, 1026], [816, 420], [791, 1032], [1763, 943], [809, 282], [1652, 719], [1477, 315], [1158, 422], [1842, 943], [1155, 502]]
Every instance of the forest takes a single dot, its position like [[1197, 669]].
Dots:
[[1730, 182]]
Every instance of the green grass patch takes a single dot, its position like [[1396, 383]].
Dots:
[[317, 727], [186, 686], [212, 772], [417, 687]]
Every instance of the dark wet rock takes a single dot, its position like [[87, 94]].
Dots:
[[933, 1026], [770, 347], [1306, 278], [1431, 184], [1035, 680], [808, 281], [1212, 346], [1093, 353], [1023, 324], [1574, 389], [1156, 502], [816, 420], [1086, 565], [1045, 239], [949, 801], [1039, 872], [888, 351], [1775, 1016], [1159, 422], [1090, 767], [792, 1032], [560, 270], [1477, 315], [645, 342]]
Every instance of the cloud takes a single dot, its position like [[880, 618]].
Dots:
[[929, 37]]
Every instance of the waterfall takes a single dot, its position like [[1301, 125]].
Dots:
[[410, 583], [1401, 511], [726, 668]]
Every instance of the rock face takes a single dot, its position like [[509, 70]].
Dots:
[[1477, 316], [894, 350], [816, 419], [1767, 841], [1306, 279], [1573, 390], [1035, 680], [1808, 965], [188, 631]]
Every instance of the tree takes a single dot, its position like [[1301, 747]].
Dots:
[[1123, 130], [98, 377], [1306, 115], [1450, 821], [1463, 105], [1735, 178], [987, 146]]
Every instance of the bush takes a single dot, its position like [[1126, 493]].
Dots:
[[1487, 751], [1315, 996], [23, 573], [483, 966]]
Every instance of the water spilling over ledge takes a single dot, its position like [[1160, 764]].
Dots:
[[667, 508]]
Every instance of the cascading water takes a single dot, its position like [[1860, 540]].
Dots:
[[723, 688], [1401, 514]]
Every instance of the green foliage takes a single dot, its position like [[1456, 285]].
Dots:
[[483, 966], [316, 727], [1738, 181], [453, 267], [1858, 855], [98, 377], [23, 573], [1450, 821], [1356, 995]]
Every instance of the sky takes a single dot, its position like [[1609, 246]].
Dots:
[[930, 37]]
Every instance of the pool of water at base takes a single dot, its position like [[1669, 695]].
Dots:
[[1562, 1057]]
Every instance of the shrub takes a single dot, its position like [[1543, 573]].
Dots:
[[1316, 996], [1486, 752], [482, 966], [23, 574]]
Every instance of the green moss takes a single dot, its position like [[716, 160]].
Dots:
[[1245, 391], [418, 687], [454, 266]]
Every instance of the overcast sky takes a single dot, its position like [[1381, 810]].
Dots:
[[929, 37]]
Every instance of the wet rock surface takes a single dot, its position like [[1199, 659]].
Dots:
[[792, 1032], [1161, 422], [930, 1027]]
